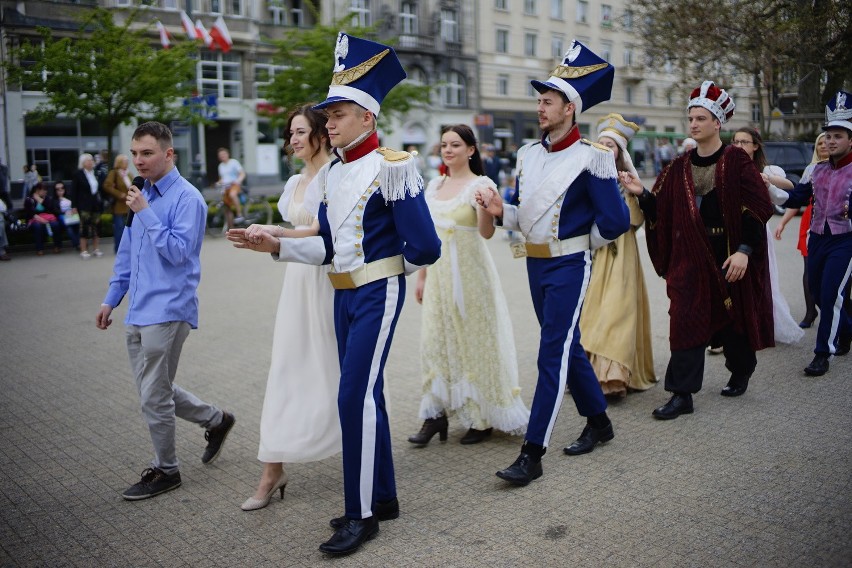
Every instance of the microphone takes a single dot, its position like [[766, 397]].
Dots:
[[138, 182]]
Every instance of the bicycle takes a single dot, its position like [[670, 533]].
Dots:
[[256, 210]]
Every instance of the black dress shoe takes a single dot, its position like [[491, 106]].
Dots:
[[590, 438], [216, 437], [678, 404], [382, 510], [844, 342], [735, 387], [475, 436], [818, 367], [522, 471], [431, 426], [351, 536]]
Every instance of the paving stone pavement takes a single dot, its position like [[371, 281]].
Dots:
[[760, 480]]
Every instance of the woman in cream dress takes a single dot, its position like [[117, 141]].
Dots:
[[467, 350], [615, 324], [299, 421]]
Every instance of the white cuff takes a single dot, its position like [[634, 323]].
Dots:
[[305, 250], [777, 195], [597, 240], [510, 217]]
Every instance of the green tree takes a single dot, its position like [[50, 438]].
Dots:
[[777, 46], [107, 72], [309, 59]]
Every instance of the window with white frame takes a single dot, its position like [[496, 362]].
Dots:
[[501, 4], [557, 9], [650, 96], [628, 94], [628, 55], [502, 84], [557, 47], [606, 15], [170, 4], [408, 18], [531, 92], [628, 20], [453, 91], [449, 26], [237, 8], [530, 41], [264, 73], [606, 51], [502, 45], [530, 7], [417, 76], [755, 112], [219, 74], [582, 11], [216, 6], [360, 11]]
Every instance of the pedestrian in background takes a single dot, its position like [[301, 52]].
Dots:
[[42, 215], [86, 199], [159, 266], [116, 184], [69, 217]]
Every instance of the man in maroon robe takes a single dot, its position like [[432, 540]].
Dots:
[[706, 236]]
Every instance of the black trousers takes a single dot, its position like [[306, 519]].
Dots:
[[685, 372]]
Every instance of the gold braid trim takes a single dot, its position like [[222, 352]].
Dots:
[[566, 72], [350, 75], [393, 155]]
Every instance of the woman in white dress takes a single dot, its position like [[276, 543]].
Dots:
[[467, 350], [787, 329], [299, 421]]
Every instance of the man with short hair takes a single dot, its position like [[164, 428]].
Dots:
[[374, 228], [706, 235], [830, 241], [567, 202], [158, 264]]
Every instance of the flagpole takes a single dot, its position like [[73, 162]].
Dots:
[[195, 176]]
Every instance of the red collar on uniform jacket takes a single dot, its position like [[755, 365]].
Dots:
[[843, 162], [572, 136], [369, 144]]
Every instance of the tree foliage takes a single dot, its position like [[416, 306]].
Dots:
[[107, 72], [778, 46], [308, 55]]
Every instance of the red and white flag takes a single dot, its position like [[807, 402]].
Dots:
[[202, 33], [164, 35], [219, 33], [190, 30]]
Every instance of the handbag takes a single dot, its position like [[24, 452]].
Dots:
[[71, 218]]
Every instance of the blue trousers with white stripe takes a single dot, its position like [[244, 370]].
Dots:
[[558, 286], [829, 266], [364, 321]]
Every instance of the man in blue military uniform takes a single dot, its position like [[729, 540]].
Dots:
[[567, 203], [830, 241], [375, 228]]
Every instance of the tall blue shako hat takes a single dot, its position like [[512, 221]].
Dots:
[[837, 113], [364, 73], [585, 78]]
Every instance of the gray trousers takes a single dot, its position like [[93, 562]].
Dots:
[[154, 354]]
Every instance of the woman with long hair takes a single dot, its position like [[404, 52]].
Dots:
[[749, 139], [820, 155], [116, 185], [615, 324], [299, 421], [467, 350]]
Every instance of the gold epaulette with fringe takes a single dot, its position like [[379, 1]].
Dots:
[[588, 142]]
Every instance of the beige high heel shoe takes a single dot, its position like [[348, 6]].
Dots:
[[253, 504]]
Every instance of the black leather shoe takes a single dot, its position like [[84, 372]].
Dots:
[[522, 471], [431, 426], [735, 387], [351, 536], [678, 404], [843, 345], [216, 437], [382, 510], [475, 436], [818, 367], [590, 438]]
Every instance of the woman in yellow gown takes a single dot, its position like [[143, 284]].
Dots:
[[615, 324], [467, 349]]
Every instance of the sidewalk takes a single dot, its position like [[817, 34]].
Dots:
[[760, 480]]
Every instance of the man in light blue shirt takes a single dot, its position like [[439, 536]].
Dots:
[[158, 264]]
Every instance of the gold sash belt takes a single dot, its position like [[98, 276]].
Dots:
[[554, 249], [369, 272]]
